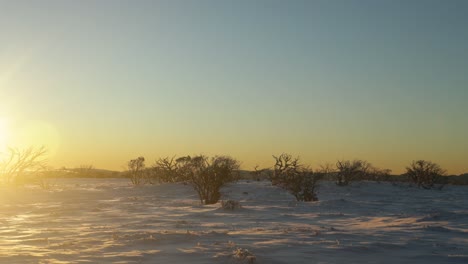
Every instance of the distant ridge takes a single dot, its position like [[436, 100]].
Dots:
[[84, 173]]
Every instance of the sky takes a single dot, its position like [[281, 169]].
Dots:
[[103, 82]]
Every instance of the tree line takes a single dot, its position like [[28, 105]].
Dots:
[[208, 175]]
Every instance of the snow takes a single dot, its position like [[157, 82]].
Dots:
[[110, 221]]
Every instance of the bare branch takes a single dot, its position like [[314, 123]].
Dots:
[[20, 163]]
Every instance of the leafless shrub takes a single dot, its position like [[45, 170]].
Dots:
[[378, 175], [18, 165], [168, 170], [44, 178], [300, 181], [207, 176], [426, 174], [259, 174], [136, 170], [348, 171], [284, 164]]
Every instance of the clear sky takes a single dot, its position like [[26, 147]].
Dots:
[[102, 82]]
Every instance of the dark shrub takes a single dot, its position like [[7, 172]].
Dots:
[[166, 170], [22, 166], [136, 170], [300, 181], [208, 176], [426, 174], [348, 171]]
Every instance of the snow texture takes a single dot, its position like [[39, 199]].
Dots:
[[110, 221]]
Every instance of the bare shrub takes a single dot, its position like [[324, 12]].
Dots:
[[19, 165], [164, 170], [284, 164], [426, 174], [298, 180], [208, 176], [136, 170], [169, 170], [348, 171], [378, 175], [259, 174], [44, 178]]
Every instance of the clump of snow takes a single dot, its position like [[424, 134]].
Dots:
[[244, 255], [230, 205]]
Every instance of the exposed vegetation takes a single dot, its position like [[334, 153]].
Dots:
[[297, 179], [18, 166], [136, 171], [426, 174], [378, 175], [208, 176], [258, 174], [244, 256], [348, 171], [168, 170]]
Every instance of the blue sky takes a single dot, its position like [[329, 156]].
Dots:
[[384, 81]]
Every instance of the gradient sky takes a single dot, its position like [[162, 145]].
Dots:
[[102, 82]]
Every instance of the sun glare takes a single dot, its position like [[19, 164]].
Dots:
[[3, 133]]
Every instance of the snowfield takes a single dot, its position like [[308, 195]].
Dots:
[[110, 221]]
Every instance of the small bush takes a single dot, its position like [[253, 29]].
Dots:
[[298, 180], [166, 170], [348, 171], [136, 171], [208, 176], [426, 174], [379, 175], [20, 167], [260, 174]]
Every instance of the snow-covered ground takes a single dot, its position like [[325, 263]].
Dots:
[[109, 221]]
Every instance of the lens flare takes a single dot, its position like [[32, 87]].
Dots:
[[38, 133], [3, 133]]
